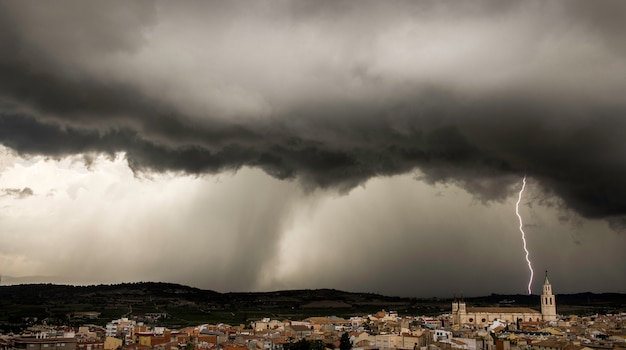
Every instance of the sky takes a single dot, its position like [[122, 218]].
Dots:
[[365, 146]]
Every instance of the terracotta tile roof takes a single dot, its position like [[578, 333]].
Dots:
[[551, 344], [504, 310], [300, 328]]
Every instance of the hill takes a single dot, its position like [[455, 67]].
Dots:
[[176, 305]]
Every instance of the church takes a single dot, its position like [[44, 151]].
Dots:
[[483, 316]]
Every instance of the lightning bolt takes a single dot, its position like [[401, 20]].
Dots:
[[521, 229]]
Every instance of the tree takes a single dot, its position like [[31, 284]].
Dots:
[[344, 342]]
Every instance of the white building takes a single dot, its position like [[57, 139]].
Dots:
[[119, 327]]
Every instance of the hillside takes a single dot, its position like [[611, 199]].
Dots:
[[177, 305], [184, 305]]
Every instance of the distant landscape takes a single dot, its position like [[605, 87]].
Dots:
[[179, 306]]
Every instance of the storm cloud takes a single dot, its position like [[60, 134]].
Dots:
[[331, 94]]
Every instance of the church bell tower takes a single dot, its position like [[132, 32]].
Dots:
[[548, 302]]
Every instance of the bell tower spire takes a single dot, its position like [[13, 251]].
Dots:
[[548, 301]]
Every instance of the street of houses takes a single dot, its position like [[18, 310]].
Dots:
[[383, 330]]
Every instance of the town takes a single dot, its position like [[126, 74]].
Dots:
[[463, 327]]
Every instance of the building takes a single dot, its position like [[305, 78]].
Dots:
[[398, 341], [111, 343], [121, 328], [483, 316], [89, 344], [158, 336], [548, 302], [44, 343]]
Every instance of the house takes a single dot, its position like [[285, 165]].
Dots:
[[152, 338], [398, 341], [111, 343], [298, 331]]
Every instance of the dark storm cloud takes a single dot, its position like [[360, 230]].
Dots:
[[545, 112]]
